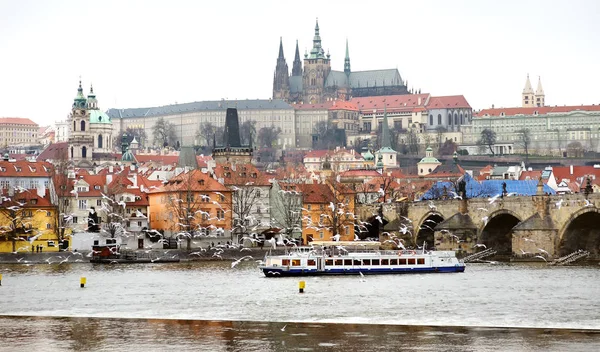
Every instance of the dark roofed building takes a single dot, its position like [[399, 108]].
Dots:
[[232, 149]]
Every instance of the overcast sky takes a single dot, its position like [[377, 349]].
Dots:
[[151, 53]]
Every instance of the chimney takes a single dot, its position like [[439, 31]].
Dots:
[[419, 101], [110, 168], [571, 169]]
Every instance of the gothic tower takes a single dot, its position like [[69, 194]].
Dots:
[[540, 97], [297, 67], [347, 61], [528, 96], [316, 69], [281, 79], [80, 139]]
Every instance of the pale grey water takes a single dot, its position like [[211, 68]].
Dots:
[[486, 295]]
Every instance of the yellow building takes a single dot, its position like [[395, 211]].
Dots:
[[327, 212], [191, 202], [27, 222], [17, 130]]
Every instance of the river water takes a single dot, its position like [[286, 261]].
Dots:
[[211, 306]]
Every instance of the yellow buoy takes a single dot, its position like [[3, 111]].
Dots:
[[82, 282], [0, 279], [301, 286]]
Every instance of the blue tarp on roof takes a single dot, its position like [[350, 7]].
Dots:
[[486, 188]]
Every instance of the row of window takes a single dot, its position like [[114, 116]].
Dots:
[[357, 262]]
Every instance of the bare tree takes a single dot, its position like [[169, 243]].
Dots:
[[267, 136], [60, 190], [164, 133], [12, 215], [412, 141], [248, 132], [488, 139], [524, 140], [439, 134], [206, 133], [138, 133], [287, 208]]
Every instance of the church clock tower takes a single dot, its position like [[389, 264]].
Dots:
[[80, 138]]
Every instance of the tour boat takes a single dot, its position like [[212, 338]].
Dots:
[[346, 257]]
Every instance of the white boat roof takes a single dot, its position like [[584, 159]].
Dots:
[[346, 243]]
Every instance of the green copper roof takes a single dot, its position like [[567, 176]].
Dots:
[[429, 160], [429, 149], [80, 95], [386, 150], [368, 156], [128, 156], [97, 116]]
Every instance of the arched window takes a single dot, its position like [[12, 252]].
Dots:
[[439, 119], [83, 151], [74, 126], [455, 119], [430, 119], [462, 121], [82, 126], [71, 152], [449, 119], [99, 141]]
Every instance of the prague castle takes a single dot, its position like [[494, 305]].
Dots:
[[317, 82]]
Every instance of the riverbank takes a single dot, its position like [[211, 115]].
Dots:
[[184, 255]]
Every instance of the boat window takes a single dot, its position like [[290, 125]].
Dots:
[[411, 261], [339, 262], [402, 261], [311, 262], [328, 261], [348, 262], [285, 262], [357, 262], [385, 262], [375, 261], [295, 262], [420, 260], [366, 262], [393, 261]]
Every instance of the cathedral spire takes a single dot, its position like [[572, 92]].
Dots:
[[539, 90], [297, 67], [528, 88], [317, 50], [280, 49], [347, 60]]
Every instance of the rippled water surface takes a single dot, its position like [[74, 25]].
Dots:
[[499, 296]]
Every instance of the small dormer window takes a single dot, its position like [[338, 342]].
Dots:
[[201, 182], [535, 113], [18, 169], [34, 201], [96, 187], [502, 114]]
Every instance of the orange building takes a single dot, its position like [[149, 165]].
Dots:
[[193, 203], [327, 211]]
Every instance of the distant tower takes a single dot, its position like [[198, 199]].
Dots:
[[316, 69], [386, 152], [347, 61], [281, 79], [80, 140], [297, 67], [540, 98], [232, 151], [528, 96]]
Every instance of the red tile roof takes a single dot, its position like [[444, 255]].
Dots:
[[191, 181], [392, 103], [446, 102], [242, 175], [16, 121], [360, 173], [24, 168], [94, 181], [530, 175], [316, 193], [54, 151], [27, 197], [564, 172], [531, 111]]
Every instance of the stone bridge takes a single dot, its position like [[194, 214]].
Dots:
[[518, 226]]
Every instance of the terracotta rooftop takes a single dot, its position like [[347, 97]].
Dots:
[[16, 121], [532, 111], [24, 168]]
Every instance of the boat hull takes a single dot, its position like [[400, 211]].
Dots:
[[284, 272]]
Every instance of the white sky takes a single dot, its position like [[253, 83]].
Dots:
[[150, 53]]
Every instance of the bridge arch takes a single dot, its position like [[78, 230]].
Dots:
[[424, 232], [581, 231], [496, 231]]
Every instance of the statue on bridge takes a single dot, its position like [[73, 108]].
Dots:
[[504, 192], [462, 188]]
